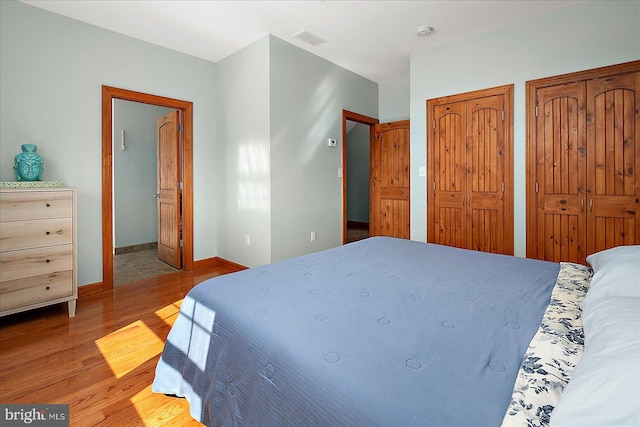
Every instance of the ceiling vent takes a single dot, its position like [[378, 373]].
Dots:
[[309, 37]]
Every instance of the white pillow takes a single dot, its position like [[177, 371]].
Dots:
[[616, 271], [604, 389]]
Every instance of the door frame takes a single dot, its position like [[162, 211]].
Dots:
[[186, 108], [358, 118]]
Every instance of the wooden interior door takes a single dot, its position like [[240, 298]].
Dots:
[[448, 193], [561, 173], [613, 161], [583, 160], [169, 211], [469, 181], [390, 214]]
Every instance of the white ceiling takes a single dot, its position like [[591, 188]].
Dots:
[[373, 38]]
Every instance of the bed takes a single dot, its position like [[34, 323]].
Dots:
[[392, 332]]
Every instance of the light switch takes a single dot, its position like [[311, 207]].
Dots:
[[423, 171], [331, 142]]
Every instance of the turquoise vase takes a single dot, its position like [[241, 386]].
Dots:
[[28, 164]]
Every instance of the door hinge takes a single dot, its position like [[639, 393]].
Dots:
[[180, 242], [503, 186], [503, 116], [434, 124], [180, 185], [536, 186], [434, 186], [179, 127], [536, 111]]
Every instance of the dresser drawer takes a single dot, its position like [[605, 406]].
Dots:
[[37, 289], [26, 205], [35, 262], [31, 234]]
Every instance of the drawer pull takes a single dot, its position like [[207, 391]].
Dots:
[[48, 260], [48, 287], [48, 204], [47, 233]]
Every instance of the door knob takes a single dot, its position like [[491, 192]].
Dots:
[[156, 195]]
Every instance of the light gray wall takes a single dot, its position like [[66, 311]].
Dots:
[[52, 69], [135, 172], [358, 173], [243, 164], [395, 99], [307, 96], [278, 105], [587, 35]]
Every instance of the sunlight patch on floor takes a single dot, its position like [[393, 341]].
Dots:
[[169, 313], [129, 347], [166, 414]]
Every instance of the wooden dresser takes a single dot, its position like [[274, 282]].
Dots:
[[38, 259]]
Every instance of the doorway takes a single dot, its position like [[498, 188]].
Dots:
[[355, 223], [136, 200], [185, 109], [358, 155]]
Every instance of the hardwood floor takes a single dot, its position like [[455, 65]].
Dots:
[[101, 362]]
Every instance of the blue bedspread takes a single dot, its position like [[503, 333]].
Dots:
[[381, 332]]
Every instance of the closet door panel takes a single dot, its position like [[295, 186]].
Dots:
[[614, 232], [561, 231], [613, 161], [449, 227], [485, 174], [486, 231], [449, 158], [561, 173]]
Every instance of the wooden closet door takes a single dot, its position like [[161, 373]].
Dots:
[[583, 160], [469, 184], [449, 192], [485, 168], [613, 161], [560, 162]]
